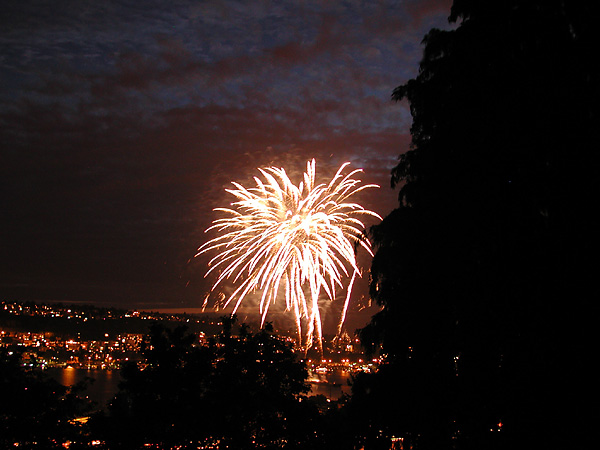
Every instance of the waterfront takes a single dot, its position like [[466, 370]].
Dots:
[[332, 383]]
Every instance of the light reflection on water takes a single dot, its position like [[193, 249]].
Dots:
[[332, 385], [106, 383], [101, 390]]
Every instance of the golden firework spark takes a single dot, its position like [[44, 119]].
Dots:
[[297, 239]]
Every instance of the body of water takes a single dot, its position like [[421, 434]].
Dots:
[[101, 390], [106, 383], [331, 384]]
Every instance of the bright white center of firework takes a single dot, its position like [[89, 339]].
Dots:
[[298, 239]]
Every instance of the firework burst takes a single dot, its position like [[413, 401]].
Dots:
[[299, 241]]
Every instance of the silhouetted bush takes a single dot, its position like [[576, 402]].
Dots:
[[239, 392], [36, 411]]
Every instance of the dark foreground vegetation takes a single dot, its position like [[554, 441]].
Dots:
[[483, 270], [246, 391], [239, 390], [484, 275]]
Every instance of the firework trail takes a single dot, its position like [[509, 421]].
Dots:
[[299, 240]]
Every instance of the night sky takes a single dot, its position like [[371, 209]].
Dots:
[[122, 122]]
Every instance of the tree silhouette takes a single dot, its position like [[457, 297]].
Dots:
[[481, 270], [238, 391], [37, 411]]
